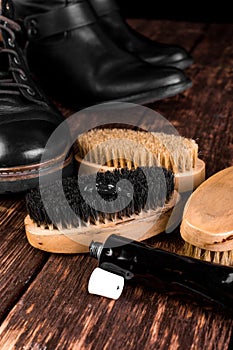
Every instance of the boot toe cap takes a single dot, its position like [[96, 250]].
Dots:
[[23, 143], [174, 56]]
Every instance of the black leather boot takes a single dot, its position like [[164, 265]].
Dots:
[[132, 41], [26, 118], [78, 63]]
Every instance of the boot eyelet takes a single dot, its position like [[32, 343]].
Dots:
[[31, 92], [10, 42], [16, 60], [23, 77]]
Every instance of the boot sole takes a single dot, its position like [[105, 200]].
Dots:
[[181, 64], [21, 179], [143, 98]]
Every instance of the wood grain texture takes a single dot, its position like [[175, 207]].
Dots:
[[66, 317], [19, 262], [45, 304]]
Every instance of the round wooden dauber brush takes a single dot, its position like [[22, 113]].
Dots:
[[106, 149], [207, 224], [146, 199]]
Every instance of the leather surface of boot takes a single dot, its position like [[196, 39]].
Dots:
[[26, 119], [78, 63], [127, 38]]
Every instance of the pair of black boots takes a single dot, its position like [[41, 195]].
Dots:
[[83, 53]]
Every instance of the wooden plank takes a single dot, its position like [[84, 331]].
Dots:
[[56, 311], [185, 34], [19, 262]]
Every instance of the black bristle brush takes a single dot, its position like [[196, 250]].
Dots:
[[133, 203]]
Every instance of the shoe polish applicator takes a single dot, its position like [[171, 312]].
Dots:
[[155, 268]]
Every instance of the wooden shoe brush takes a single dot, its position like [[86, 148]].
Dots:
[[207, 225], [106, 149], [146, 207]]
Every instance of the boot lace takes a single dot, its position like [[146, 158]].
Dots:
[[8, 83]]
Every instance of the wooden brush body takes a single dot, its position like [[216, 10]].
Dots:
[[108, 149], [207, 224], [77, 240], [134, 203]]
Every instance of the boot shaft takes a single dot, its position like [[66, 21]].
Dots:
[[75, 58], [103, 7], [25, 8]]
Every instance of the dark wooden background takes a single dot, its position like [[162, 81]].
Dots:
[[178, 10], [44, 303]]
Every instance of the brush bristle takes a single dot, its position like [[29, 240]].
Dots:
[[128, 148], [145, 189], [224, 258]]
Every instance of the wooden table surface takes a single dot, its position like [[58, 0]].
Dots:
[[44, 303]]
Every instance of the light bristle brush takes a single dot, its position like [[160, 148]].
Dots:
[[106, 149], [146, 206], [207, 225]]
